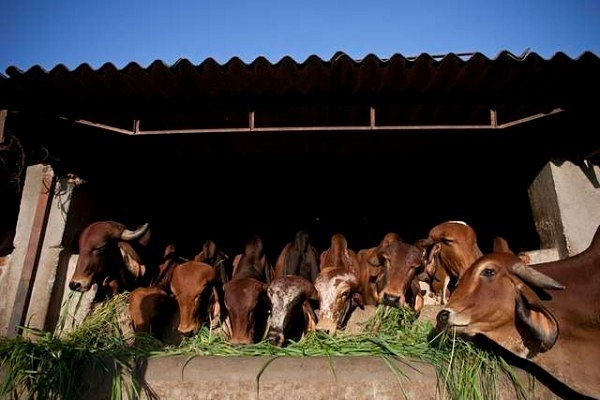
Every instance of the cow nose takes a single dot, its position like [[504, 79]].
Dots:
[[76, 286], [391, 300], [275, 338], [442, 317]]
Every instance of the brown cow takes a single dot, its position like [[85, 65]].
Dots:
[[299, 258], [112, 256], [246, 299], [339, 255], [371, 271], [253, 262], [192, 285], [292, 313], [502, 299], [398, 286], [451, 248], [151, 308], [247, 309], [210, 254]]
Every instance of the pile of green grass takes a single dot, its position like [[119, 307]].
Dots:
[[49, 365]]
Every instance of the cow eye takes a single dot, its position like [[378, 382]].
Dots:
[[447, 241], [488, 272]]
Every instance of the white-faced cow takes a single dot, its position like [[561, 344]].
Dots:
[[558, 329], [291, 299], [299, 258], [113, 257], [338, 285]]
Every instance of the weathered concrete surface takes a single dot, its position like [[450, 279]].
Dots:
[[565, 203], [11, 278], [310, 378]]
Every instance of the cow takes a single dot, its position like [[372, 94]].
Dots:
[[247, 309], [451, 247], [298, 257], [338, 285], [371, 271], [339, 255], [398, 285], [291, 299], [114, 257], [193, 286], [546, 313], [186, 289], [245, 297], [152, 307], [253, 261], [339, 293], [211, 254]]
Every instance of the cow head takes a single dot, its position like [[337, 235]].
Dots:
[[492, 299], [192, 284], [291, 311], [400, 262], [301, 258], [106, 256], [339, 292], [247, 309], [453, 245]]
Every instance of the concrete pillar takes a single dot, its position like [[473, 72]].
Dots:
[[48, 289], [15, 283], [33, 283], [565, 202]]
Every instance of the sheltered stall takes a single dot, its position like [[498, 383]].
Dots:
[[363, 147]]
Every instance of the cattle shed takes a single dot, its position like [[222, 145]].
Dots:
[[362, 147]]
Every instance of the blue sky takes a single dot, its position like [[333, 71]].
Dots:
[[72, 32]]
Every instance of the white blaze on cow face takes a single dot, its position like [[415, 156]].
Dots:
[[336, 287], [287, 296]]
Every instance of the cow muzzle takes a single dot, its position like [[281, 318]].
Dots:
[[393, 300], [275, 337], [80, 286]]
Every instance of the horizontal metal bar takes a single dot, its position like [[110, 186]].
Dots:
[[282, 129]]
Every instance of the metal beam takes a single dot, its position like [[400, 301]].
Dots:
[[371, 127]]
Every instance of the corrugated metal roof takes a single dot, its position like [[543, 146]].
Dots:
[[453, 89]]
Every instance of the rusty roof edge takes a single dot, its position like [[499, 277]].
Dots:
[[12, 71]]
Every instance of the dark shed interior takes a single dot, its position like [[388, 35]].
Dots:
[[360, 147]]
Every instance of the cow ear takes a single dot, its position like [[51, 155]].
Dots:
[[500, 245], [540, 322], [132, 260]]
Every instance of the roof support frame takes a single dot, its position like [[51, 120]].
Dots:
[[371, 127]]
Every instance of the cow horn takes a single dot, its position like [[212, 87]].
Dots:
[[535, 277], [132, 235]]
